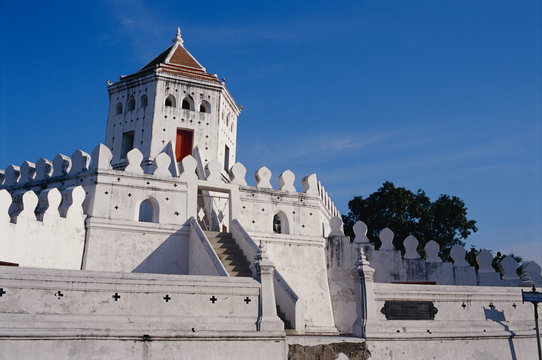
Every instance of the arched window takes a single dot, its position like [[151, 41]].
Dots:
[[131, 104], [280, 223], [119, 108], [188, 103], [170, 101], [205, 107], [144, 101], [148, 211]]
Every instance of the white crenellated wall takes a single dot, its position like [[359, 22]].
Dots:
[[486, 322], [390, 266], [47, 232], [115, 239]]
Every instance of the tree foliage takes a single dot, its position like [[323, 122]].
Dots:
[[406, 213]]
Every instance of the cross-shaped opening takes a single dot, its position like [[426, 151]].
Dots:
[[59, 294], [167, 298], [116, 296], [213, 299], [2, 291], [247, 300]]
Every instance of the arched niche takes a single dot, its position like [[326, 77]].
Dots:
[[144, 101], [170, 101], [205, 107], [280, 223], [131, 105], [148, 210], [188, 103]]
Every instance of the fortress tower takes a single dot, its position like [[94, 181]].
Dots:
[[173, 100]]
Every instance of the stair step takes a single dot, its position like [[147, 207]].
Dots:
[[234, 264], [224, 246], [220, 235], [229, 253], [233, 257]]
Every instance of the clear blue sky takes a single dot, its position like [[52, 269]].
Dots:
[[439, 95]]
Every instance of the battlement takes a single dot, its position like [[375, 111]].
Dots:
[[43, 231], [413, 267]]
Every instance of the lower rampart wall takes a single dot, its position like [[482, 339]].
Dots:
[[59, 314]]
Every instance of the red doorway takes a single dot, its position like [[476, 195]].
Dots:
[[183, 144]]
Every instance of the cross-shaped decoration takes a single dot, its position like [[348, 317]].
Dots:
[[177, 213], [167, 298], [491, 306], [247, 300], [175, 185], [514, 304], [167, 199], [59, 294], [463, 305], [129, 194], [118, 179], [213, 299], [107, 193], [116, 207], [2, 292], [116, 296], [148, 183]]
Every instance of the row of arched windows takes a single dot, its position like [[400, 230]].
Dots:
[[131, 104], [188, 103], [149, 212]]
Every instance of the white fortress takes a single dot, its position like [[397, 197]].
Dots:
[[155, 247]]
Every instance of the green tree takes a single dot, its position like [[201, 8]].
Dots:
[[406, 213]]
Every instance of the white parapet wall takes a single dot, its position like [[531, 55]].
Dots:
[[48, 312], [48, 231], [471, 322]]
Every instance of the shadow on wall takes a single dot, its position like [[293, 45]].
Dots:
[[171, 257], [498, 316]]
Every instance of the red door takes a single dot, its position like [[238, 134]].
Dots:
[[183, 145]]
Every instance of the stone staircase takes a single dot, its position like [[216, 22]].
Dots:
[[229, 253]]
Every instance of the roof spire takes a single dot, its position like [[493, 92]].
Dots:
[[178, 39]]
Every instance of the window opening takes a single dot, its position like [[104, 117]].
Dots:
[[277, 225], [144, 101], [226, 158], [205, 107], [127, 143], [131, 104], [170, 101], [119, 108], [146, 210]]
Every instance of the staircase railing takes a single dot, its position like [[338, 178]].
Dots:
[[203, 259], [288, 301]]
